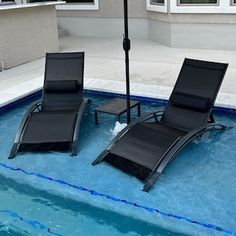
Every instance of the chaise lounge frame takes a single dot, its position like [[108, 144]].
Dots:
[[176, 146], [37, 107]]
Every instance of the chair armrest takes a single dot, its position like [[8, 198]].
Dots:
[[34, 106], [77, 125]]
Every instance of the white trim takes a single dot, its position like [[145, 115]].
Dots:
[[157, 8], [79, 6], [224, 6], [30, 5]]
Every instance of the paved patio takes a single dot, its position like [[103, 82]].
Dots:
[[153, 68]]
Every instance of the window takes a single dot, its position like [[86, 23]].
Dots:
[[157, 2], [195, 2], [157, 5], [203, 6], [79, 5]]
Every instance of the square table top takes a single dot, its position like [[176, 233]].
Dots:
[[116, 106]]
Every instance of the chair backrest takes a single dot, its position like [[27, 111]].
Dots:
[[194, 94], [63, 81]]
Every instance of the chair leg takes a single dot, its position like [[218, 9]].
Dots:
[[14, 150], [150, 181], [100, 158], [211, 118], [74, 151], [139, 110]]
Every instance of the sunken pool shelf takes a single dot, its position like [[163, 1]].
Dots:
[[117, 107]]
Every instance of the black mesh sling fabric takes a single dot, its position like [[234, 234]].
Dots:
[[53, 127], [63, 84], [194, 94], [142, 148]]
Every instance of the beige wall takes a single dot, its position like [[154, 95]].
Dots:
[[102, 27], [95, 23], [137, 9], [111, 8], [193, 18], [168, 29], [27, 34]]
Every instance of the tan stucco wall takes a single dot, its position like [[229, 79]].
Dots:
[[168, 29], [27, 34], [111, 8], [137, 9], [193, 18]]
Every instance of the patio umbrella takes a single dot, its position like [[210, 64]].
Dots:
[[126, 47]]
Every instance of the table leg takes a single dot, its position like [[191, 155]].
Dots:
[[139, 110], [118, 118], [96, 117]]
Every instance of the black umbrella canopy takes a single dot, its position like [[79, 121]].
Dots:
[[126, 47]]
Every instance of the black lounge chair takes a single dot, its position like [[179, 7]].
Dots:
[[145, 147], [54, 122]]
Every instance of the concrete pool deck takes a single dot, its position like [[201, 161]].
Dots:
[[153, 69]]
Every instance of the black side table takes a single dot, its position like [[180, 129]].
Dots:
[[116, 107]]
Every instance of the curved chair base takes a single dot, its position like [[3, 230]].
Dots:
[[36, 108], [174, 149]]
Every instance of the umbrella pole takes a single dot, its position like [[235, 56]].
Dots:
[[126, 47]]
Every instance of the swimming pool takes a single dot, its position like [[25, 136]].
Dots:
[[199, 185], [41, 213]]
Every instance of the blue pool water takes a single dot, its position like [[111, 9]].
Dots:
[[198, 185], [28, 211]]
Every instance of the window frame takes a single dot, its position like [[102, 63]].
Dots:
[[233, 3], [79, 6], [222, 6], [157, 7]]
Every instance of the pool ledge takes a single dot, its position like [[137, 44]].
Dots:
[[17, 92]]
